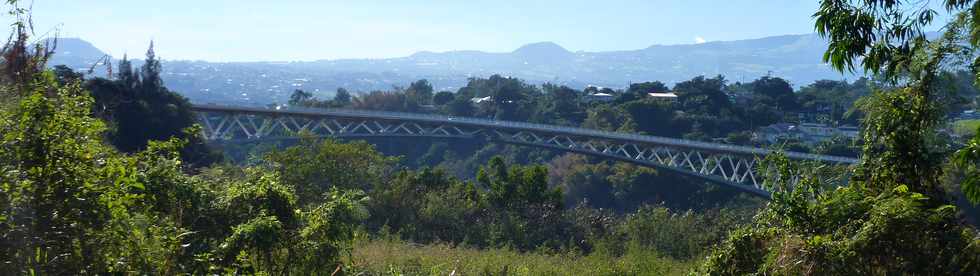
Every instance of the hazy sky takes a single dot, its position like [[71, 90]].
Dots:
[[248, 30]]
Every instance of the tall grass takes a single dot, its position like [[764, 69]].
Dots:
[[394, 257], [966, 127]]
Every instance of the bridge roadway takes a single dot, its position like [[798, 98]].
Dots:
[[731, 165]]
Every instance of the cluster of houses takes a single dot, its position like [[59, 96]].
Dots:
[[603, 97], [598, 97], [809, 133]]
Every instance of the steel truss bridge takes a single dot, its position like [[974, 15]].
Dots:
[[735, 166]]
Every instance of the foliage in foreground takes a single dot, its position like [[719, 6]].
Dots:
[[849, 231], [71, 204], [893, 217]]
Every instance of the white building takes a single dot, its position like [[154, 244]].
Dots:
[[479, 100], [598, 97], [668, 97], [776, 132]]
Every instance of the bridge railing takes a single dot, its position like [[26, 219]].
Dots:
[[523, 125]]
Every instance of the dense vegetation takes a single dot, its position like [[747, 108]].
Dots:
[[706, 108], [893, 218], [77, 198], [87, 189]]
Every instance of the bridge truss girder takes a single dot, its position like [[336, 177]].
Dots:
[[740, 170]]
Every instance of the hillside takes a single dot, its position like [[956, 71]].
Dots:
[[793, 57], [75, 53]]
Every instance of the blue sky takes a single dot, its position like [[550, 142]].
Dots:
[[250, 30]]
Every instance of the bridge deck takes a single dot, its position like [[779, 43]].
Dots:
[[583, 132]]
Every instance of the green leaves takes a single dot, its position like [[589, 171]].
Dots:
[[892, 218], [329, 230], [517, 187], [968, 158], [77, 205], [892, 232], [898, 132], [260, 236], [883, 34], [314, 167], [261, 193]]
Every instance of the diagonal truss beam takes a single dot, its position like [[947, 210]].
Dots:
[[725, 164]]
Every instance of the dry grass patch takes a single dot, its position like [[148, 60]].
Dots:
[[380, 257]]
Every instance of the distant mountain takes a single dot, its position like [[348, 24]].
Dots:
[[75, 53], [796, 58]]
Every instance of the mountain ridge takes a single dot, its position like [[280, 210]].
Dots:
[[796, 58]]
